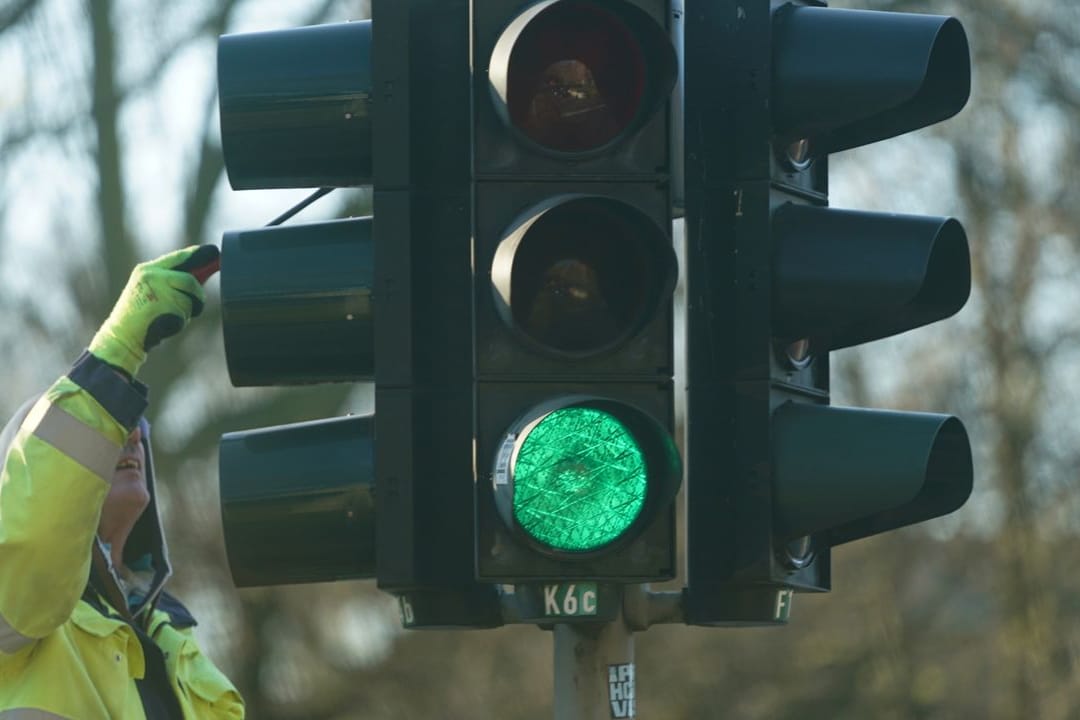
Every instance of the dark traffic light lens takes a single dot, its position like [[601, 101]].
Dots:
[[580, 277], [576, 77], [580, 480]]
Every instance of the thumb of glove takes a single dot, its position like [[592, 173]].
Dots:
[[157, 302]]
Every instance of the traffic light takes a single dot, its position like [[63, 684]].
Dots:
[[576, 467], [297, 305], [777, 280], [386, 298]]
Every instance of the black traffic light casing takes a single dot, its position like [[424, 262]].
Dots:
[[424, 340], [297, 500], [323, 273], [386, 298], [776, 280], [573, 261], [916, 72], [296, 106], [285, 527]]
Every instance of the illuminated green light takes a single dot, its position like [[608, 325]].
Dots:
[[579, 480]]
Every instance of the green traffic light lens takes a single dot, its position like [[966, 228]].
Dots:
[[580, 480]]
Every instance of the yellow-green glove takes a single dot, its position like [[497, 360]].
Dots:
[[160, 298]]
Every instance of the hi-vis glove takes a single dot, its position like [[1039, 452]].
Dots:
[[160, 298]]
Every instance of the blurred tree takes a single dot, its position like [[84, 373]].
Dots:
[[1005, 365], [109, 154]]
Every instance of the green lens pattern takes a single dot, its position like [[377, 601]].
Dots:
[[579, 480]]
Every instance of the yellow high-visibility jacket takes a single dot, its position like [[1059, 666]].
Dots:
[[72, 645]]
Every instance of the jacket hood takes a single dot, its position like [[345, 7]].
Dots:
[[145, 547]]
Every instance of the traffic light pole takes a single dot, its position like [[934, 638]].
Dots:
[[594, 671], [595, 674]]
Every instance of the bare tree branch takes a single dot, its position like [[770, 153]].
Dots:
[[17, 139], [214, 24], [15, 13], [211, 164], [120, 251]]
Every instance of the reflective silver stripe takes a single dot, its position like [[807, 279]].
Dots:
[[30, 714], [11, 641], [74, 438]]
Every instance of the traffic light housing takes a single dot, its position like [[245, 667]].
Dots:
[[576, 466], [298, 305], [511, 297], [283, 526], [296, 107], [514, 281], [385, 298], [777, 280]]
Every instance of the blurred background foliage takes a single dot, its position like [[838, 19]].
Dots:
[[110, 153]]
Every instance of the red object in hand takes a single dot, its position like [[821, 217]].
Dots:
[[202, 263], [202, 274]]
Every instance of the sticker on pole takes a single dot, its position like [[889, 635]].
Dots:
[[570, 600], [782, 611], [562, 603], [621, 690], [408, 616], [502, 461]]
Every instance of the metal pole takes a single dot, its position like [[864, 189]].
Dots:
[[594, 671]]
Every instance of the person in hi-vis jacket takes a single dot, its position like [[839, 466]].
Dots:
[[86, 631]]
